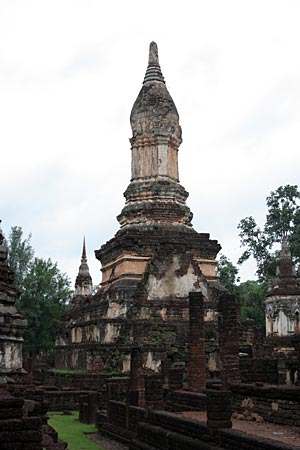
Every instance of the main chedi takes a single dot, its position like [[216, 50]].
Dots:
[[155, 259]]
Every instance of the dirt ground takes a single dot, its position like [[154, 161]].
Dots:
[[281, 433], [106, 443]]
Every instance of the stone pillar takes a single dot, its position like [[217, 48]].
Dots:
[[136, 393], [175, 379], [88, 408], [166, 364], [219, 408], [154, 394], [228, 340], [197, 357]]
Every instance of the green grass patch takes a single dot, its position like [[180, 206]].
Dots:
[[85, 372], [68, 371], [72, 431]]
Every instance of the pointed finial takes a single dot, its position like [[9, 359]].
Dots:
[[153, 54], [153, 72], [83, 257], [83, 282]]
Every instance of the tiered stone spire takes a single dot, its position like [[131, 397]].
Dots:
[[155, 213], [154, 260], [154, 194], [153, 72], [83, 283]]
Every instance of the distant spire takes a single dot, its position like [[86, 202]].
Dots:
[[153, 72], [286, 281], [285, 252], [83, 283], [285, 267], [84, 268]]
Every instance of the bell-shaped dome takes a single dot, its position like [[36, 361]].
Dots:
[[154, 113]]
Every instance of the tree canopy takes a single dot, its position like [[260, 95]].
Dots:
[[44, 292], [282, 220], [249, 294], [228, 274], [20, 255]]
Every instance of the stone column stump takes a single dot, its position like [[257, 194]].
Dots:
[[175, 378], [197, 357], [136, 391], [219, 408], [88, 408]]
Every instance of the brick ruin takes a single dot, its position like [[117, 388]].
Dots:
[[143, 426], [283, 299], [23, 420], [12, 323], [282, 319], [161, 336], [161, 318], [274, 357]]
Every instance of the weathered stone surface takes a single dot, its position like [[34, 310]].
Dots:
[[136, 381], [153, 262], [228, 339], [197, 355]]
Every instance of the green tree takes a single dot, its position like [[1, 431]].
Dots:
[[227, 273], [44, 292], [282, 220], [43, 301], [251, 296], [20, 255]]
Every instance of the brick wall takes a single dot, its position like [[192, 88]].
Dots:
[[167, 431], [18, 432], [259, 370], [274, 403]]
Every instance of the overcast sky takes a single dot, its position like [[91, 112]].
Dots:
[[69, 74]]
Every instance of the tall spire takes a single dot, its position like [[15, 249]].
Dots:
[[83, 283], [154, 193], [153, 72]]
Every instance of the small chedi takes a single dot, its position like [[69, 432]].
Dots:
[[282, 319], [283, 299], [152, 263], [12, 323]]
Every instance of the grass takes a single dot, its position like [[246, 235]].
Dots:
[[69, 429], [84, 372], [68, 371]]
